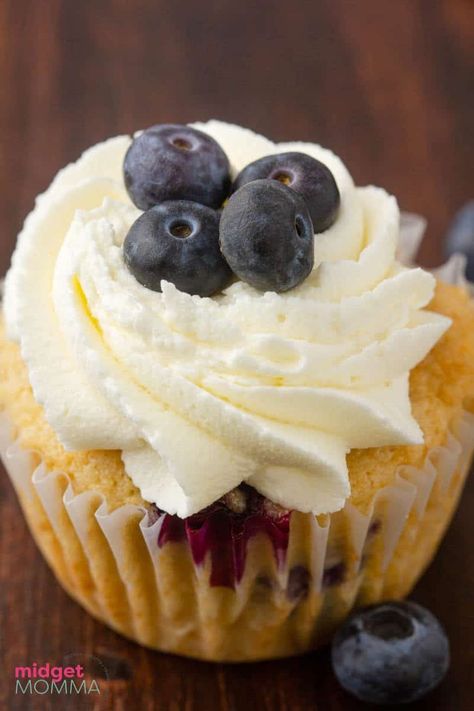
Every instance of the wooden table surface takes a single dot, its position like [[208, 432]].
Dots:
[[387, 85]]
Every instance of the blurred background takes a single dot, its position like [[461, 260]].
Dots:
[[388, 85]]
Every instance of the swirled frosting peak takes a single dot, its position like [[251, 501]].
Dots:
[[201, 394]]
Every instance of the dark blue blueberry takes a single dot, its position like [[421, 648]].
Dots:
[[304, 174], [392, 653], [264, 584], [154, 514], [177, 241], [460, 236], [299, 580], [267, 236], [374, 527], [175, 162], [334, 575]]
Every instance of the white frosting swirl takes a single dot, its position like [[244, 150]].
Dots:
[[201, 394]]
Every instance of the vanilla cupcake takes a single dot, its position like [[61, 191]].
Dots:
[[229, 427]]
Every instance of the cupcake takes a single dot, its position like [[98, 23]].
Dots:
[[231, 414]]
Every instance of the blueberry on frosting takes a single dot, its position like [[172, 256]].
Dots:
[[267, 236], [267, 226], [304, 174], [177, 241], [176, 162]]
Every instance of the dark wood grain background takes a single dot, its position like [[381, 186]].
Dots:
[[388, 85]]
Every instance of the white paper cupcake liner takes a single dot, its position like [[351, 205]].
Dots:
[[111, 563], [142, 601]]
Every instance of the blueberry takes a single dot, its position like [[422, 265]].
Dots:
[[175, 162], [267, 236], [299, 581], [391, 653], [177, 241], [460, 237], [306, 175], [334, 575]]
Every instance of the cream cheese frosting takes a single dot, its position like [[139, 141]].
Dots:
[[200, 394]]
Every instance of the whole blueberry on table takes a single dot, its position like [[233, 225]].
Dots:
[[177, 241], [175, 162], [306, 175], [392, 653], [460, 237], [267, 237]]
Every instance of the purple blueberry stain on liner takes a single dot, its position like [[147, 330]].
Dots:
[[225, 528], [299, 581], [264, 583], [374, 527], [334, 575], [225, 532]]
